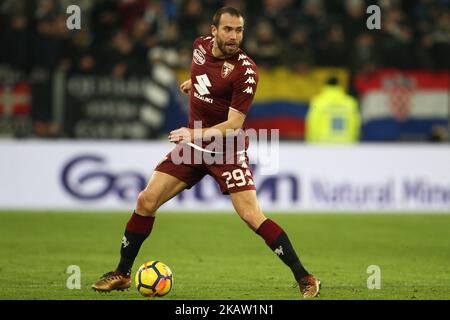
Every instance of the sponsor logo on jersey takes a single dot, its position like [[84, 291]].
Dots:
[[202, 88], [198, 57], [227, 68], [202, 84], [246, 63], [209, 100]]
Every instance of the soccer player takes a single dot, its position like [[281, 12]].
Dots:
[[221, 89]]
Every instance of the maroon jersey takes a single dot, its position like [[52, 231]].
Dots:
[[219, 84]]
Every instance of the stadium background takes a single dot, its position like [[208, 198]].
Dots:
[[296, 44], [84, 115]]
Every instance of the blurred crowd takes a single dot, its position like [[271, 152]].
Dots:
[[123, 37]]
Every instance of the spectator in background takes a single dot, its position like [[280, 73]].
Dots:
[[105, 19], [143, 37], [238, 4], [132, 10], [50, 38], [365, 58], [80, 54], [123, 37], [121, 58], [204, 27], [441, 38], [396, 43], [278, 13], [354, 20], [189, 18], [333, 50], [264, 46], [169, 50], [15, 41], [299, 57], [333, 116], [313, 13], [424, 48]]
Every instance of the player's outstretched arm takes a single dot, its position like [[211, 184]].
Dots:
[[234, 122]]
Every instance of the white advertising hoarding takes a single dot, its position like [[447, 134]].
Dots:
[[106, 175]]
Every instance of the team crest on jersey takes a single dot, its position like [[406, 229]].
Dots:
[[198, 57], [227, 68]]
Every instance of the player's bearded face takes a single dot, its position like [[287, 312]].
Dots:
[[227, 46], [229, 34]]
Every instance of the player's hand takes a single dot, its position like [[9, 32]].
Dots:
[[186, 87], [182, 135]]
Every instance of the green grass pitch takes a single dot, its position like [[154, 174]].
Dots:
[[216, 256]]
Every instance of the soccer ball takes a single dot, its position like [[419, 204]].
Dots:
[[154, 278]]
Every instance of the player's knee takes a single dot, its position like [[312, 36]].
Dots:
[[253, 218], [147, 203]]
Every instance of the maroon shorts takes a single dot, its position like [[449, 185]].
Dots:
[[232, 176]]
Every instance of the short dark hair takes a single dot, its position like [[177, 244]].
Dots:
[[230, 10]]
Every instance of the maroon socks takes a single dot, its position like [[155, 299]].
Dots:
[[139, 228]]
